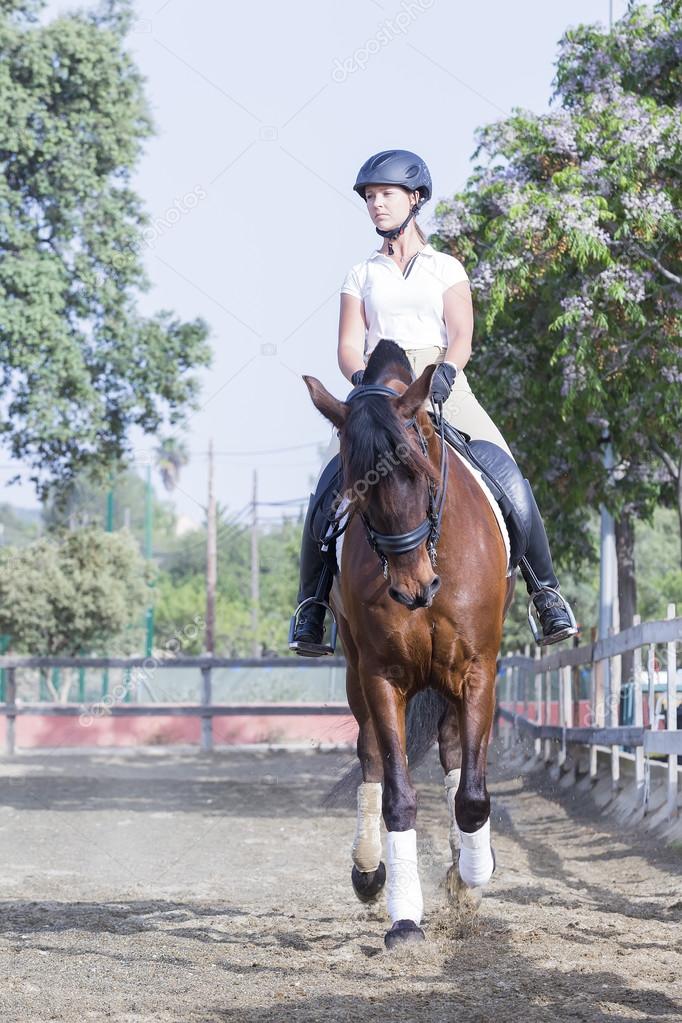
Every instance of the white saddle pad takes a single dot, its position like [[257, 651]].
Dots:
[[489, 497]]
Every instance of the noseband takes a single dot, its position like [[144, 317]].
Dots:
[[428, 531]]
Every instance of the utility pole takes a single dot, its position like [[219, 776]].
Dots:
[[211, 557], [255, 567], [148, 552]]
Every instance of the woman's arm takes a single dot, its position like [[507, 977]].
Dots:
[[458, 313], [351, 335]]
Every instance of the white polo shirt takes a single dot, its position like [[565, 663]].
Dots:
[[409, 310]]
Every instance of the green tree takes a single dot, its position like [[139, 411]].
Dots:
[[71, 595], [79, 367], [571, 229], [180, 591], [18, 526], [82, 502], [171, 458]]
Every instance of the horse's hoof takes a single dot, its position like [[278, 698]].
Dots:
[[460, 895], [454, 880], [368, 885], [403, 932]]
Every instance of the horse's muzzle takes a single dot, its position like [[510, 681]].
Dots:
[[423, 597]]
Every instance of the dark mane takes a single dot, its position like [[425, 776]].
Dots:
[[374, 435], [388, 356]]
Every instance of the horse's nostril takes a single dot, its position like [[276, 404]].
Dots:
[[435, 585]]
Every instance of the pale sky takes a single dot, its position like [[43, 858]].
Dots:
[[264, 114]]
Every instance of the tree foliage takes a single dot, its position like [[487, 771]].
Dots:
[[180, 593], [83, 502], [572, 232], [79, 367], [72, 595]]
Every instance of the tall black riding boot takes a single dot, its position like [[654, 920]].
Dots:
[[306, 631], [556, 618]]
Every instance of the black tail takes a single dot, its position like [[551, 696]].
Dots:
[[424, 713]]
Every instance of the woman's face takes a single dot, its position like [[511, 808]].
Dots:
[[388, 205]]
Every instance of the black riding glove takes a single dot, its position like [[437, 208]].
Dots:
[[441, 382], [356, 379]]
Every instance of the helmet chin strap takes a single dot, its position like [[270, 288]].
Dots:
[[397, 231]]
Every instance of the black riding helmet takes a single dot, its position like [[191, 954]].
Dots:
[[396, 167]]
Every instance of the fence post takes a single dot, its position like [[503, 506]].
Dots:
[[600, 695], [613, 712], [548, 713], [565, 707], [651, 675], [537, 678], [10, 734], [671, 722], [206, 718], [562, 715], [508, 695], [594, 714], [515, 698], [639, 712], [526, 679]]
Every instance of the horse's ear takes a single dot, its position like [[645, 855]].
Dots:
[[331, 408], [411, 400]]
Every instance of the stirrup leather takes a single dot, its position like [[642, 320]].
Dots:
[[312, 649]]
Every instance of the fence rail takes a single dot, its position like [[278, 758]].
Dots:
[[205, 709], [529, 681]]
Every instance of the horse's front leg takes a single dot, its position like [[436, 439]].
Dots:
[[369, 873], [472, 802], [450, 753], [399, 804]]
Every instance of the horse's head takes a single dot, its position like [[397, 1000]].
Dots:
[[387, 474]]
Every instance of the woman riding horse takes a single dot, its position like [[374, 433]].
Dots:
[[411, 293]]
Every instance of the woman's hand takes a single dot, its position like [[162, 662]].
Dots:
[[442, 382]]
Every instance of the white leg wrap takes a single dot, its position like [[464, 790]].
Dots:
[[451, 786], [404, 892], [475, 857], [366, 850]]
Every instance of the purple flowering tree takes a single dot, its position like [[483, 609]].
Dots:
[[570, 230]]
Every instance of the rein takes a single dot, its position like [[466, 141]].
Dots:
[[428, 530]]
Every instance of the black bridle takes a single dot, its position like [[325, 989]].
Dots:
[[428, 531]]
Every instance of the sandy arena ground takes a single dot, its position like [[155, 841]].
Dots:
[[166, 885]]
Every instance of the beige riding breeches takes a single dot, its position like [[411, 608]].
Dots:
[[461, 409]]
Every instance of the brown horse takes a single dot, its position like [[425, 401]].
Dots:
[[406, 629]]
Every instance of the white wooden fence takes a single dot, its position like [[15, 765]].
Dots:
[[524, 680]]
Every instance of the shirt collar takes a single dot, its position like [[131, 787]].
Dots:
[[428, 250]]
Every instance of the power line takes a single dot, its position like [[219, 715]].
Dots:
[[273, 504], [245, 453]]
